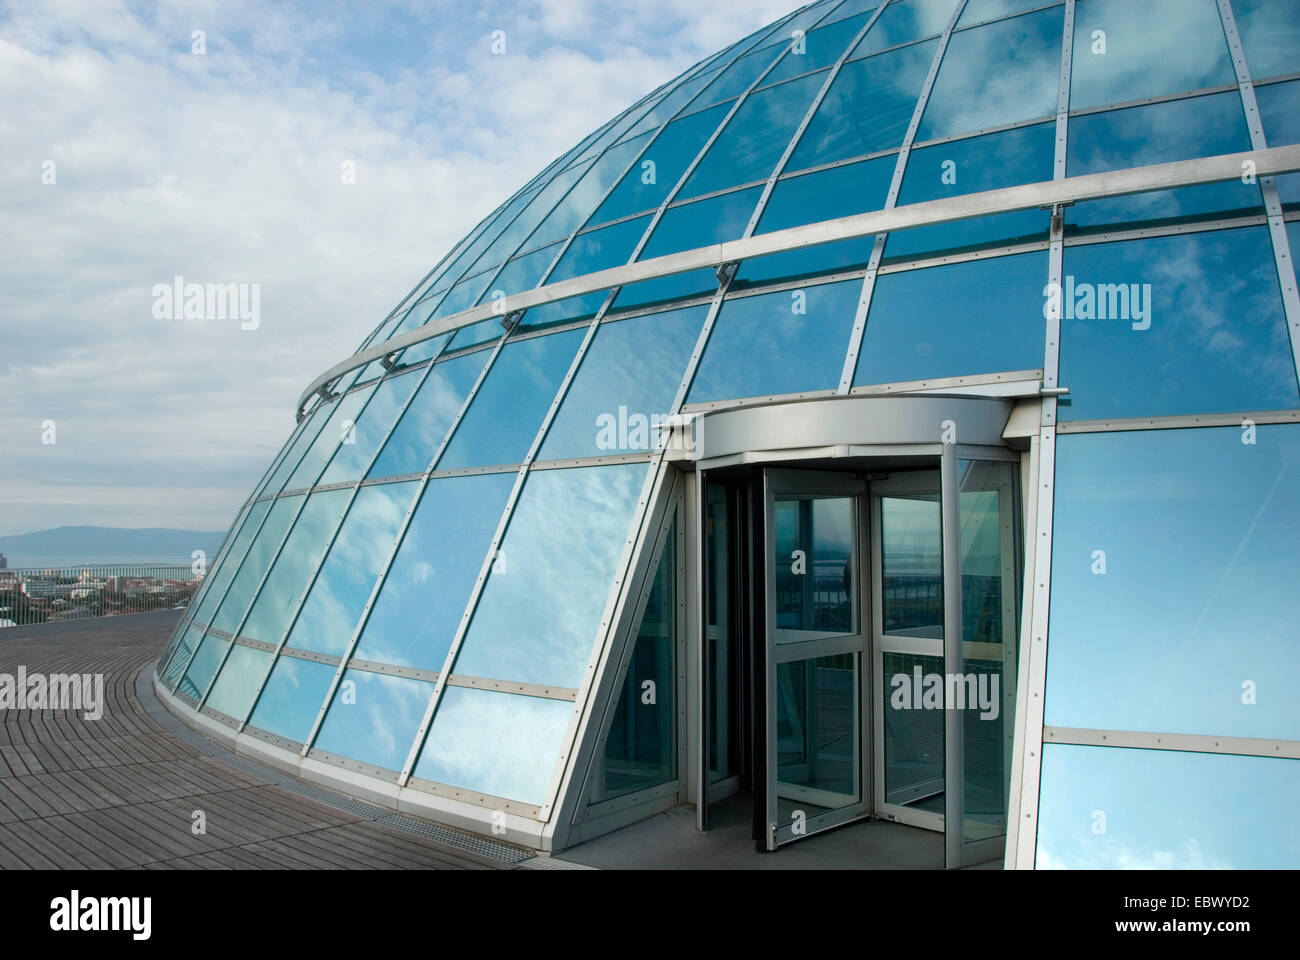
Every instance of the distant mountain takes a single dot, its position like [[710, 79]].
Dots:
[[110, 542]]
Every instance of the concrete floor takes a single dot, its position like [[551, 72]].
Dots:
[[669, 841]]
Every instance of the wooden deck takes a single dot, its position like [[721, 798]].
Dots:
[[119, 792]]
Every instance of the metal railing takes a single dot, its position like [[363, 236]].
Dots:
[[56, 594]]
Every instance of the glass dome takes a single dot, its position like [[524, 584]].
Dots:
[[418, 596]]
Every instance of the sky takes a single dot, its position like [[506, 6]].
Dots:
[[227, 167]]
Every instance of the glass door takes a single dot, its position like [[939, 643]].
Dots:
[[816, 767]]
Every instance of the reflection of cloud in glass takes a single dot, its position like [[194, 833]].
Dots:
[[292, 698], [255, 564], [380, 726], [243, 671]]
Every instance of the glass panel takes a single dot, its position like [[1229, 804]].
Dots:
[[913, 714], [751, 144], [1157, 327], [1270, 35], [372, 425], [306, 436], [867, 108], [203, 666], [599, 250], [540, 609], [574, 209], [416, 438], [738, 77], [911, 546], [423, 598], [256, 563], [725, 638], [641, 748], [330, 614], [373, 718], [504, 416], [234, 690], [906, 20], [463, 296], [821, 48], [292, 698], [647, 185], [1160, 133], [1175, 558], [284, 587], [1279, 111], [337, 430], [673, 101], [626, 383], [226, 570], [506, 213], [424, 350], [1148, 49], [982, 316], [501, 744], [1166, 809], [1000, 73], [484, 331], [817, 751], [778, 343], [990, 162], [977, 11], [522, 273], [181, 656], [814, 544]]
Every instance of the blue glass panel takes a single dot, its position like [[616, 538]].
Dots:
[[373, 718], [752, 142], [425, 591], [306, 436], [1166, 810], [1279, 111], [1160, 133], [234, 690], [520, 274], [292, 698], [867, 108], [484, 331], [425, 350], [504, 416], [629, 376], [667, 107], [588, 192], [738, 77], [777, 343], [983, 316], [372, 426], [1000, 73], [1195, 588], [337, 430], [229, 566], [1150, 49], [1190, 337], [647, 185], [666, 289], [904, 21], [563, 311], [821, 48], [600, 249], [256, 562], [506, 214], [293, 568], [462, 296], [977, 11], [1270, 35], [330, 614], [203, 666], [500, 744], [540, 609], [513, 236], [181, 656], [417, 437], [990, 162]]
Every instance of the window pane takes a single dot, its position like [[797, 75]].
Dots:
[[1194, 585], [977, 11], [1000, 73], [629, 377], [750, 145], [336, 430], [229, 566], [416, 438], [778, 343], [1157, 327], [1279, 111], [738, 77], [520, 274], [293, 568], [373, 718], [574, 209], [484, 331], [507, 410], [501, 744], [424, 350], [203, 667], [306, 436], [540, 610], [425, 591], [181, 656], [913, 737], [234, 690], [599, 250], [646, 186], [1150, 49], [821, 48], [1166, 809], [911, 547], [983, 316], [330, 614], [816, 594], [292, 698], [1270, 34], [256, 563], [991, 162], [904, 21], [867, 108], [372, 426]]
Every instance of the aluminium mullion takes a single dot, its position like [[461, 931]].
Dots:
[[895, 185], [498, 536], [397, 543], [320, 564], [266, 575], [180, 678], [1282, 259]]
